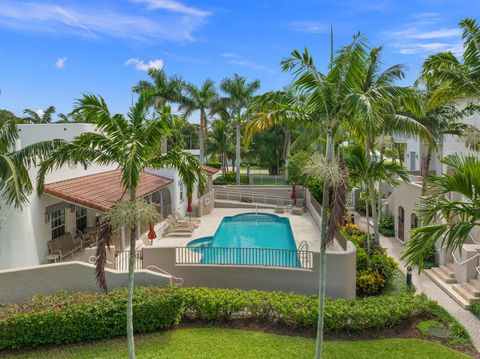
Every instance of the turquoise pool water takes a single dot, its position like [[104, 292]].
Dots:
[[256, 239]]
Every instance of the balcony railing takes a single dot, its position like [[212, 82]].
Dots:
[[122, 260], [265, 257]]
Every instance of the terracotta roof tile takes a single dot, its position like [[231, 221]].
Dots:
[[102, 190]]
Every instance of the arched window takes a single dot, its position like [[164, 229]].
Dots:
[[413, 221]]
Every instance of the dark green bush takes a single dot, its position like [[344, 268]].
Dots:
[[214, 164], [68, 318], [387, 225], [65, 318], [230, 178], [475, 308]]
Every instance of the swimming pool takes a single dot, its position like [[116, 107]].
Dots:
[[250, 238]]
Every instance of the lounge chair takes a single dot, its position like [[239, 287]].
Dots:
[[280, 208], [171, 229], [180, 219], [171, 220], [298, 208], [64, 245]]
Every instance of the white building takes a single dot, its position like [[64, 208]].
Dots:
[[456, 270], [74, 199]]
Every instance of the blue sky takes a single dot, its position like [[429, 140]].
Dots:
[[51, 52]]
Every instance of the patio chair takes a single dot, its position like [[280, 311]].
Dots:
[[280, 207], [86, 239], [180, 219], [298, 209]]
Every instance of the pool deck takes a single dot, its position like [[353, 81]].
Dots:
[[303, 228]]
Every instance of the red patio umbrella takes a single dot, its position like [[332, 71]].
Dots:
[[151, 233], [294, 193]]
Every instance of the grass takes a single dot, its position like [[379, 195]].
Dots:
[[214, 343]]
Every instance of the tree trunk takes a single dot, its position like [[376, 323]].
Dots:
[[380, 212], [371, 190], [367, 214], [237, 150], [201, 136], [131, 274], [323, 256], [287, 152], [425, 171]]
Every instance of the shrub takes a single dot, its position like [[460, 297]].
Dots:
[[68, 318], [214, 164], [65, 318], [383, 265], [429, 260], [296, 164], [475, 308], [370, 283], [386, 225], [230, 178]]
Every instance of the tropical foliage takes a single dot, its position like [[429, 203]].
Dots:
[[132, 144], [449, 211]]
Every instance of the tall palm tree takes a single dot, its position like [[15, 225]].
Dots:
[[372, 106], [133, 144], [37, 117], [202, 99], [362, 172], [239, 94], [279, 108], [162, 90], [445, 219], [454, 78], [15, 183], [219, 141], [326, 94]]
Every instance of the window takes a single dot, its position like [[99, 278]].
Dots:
[[180, 185], [81, 216], [58, 223]]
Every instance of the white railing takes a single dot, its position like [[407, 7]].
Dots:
[[250, 197], [461, 263], [303, 246], [154, 268]]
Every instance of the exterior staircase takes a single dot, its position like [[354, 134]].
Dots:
[[463, 293]]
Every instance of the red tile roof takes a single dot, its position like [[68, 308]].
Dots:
[[210, 170], [102, 190]]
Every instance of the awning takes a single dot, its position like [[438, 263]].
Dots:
[[102, 190]]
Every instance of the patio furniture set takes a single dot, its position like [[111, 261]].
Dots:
[[298, 209]]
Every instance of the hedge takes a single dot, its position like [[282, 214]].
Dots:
[[67, 318]]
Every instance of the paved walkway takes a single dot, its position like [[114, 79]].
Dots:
[[425, 285]]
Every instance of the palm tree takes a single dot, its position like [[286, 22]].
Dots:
[[239, 94], [326, 94], [133, 144], [362, 172], [15, 183], [219, 141], [280, 108], [201, 99], [44, 116], [162, 90], [445, 219], [440, 120], [372, 106], [454, 78]]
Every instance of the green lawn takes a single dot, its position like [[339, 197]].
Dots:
[[214, 343]]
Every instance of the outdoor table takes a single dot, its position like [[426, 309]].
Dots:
[[52, 258]]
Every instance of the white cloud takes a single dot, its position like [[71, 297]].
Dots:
[[427, 48], [234, 59], [60, 63], [142, 66], [173, 6], [413, 33], [311, 27], [174, 23]]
